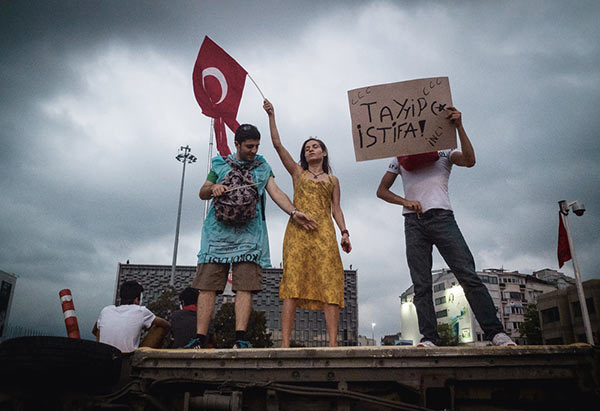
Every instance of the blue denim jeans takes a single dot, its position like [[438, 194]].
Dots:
[[438, 227]]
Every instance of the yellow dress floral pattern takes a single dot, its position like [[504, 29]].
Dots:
[[312, 267]]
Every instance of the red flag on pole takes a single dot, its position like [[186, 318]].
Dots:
[[563, 251], [218, 86]]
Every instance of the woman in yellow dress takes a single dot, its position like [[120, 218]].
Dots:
[[313, 276]]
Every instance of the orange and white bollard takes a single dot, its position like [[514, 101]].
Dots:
[[69, 311]]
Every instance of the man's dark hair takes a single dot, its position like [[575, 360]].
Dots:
[[304, 163], [246, 132], [189, 296], [130, 290]]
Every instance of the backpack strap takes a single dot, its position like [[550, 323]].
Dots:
[[247, 166]]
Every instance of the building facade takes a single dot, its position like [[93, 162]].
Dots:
[[510, 292], [309, 328], [8, 283], [561, 321]]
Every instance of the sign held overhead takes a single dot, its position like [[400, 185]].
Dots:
[[397, 119]]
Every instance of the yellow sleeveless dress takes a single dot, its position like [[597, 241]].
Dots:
[[312, 267]]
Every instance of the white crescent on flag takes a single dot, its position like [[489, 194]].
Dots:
[[216, 73]]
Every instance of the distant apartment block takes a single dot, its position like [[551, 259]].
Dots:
[[309, 327], [560, 314], [511, 292]]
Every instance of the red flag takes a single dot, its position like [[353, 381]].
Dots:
[[218, 86], [563, 251]]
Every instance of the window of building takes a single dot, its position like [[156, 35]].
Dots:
[[441, 314], [439, 287], [550, 315], [493, 280], [440, 300], [485, 279], [576, 307], [516, 296]]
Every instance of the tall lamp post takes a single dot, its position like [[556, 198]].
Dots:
[[373, 332], [578, 209], [184, 156]]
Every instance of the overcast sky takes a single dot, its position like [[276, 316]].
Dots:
[[96, 99]]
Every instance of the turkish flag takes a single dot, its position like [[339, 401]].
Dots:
[[563, 251], [218, 86]]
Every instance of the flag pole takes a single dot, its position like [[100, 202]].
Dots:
[[582, 302], [209, 162], [258, 88]]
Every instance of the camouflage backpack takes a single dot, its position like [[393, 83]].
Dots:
[[237, 207]]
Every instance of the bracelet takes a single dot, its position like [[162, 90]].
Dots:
[[345, 232], [294, 211]]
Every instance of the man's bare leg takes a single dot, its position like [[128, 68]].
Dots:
[[243, 309], [205, 309]]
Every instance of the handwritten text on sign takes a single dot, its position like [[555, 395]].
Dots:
[[402, 118]]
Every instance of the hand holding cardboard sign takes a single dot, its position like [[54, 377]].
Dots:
[[454, 116]]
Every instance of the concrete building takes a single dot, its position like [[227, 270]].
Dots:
[[309, 327], [8, 283], [365, 341], [560, 314], [510, 292], [555, 278]]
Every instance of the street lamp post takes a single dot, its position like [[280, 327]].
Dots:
[[578, 209], [373, 332], [184, 156]]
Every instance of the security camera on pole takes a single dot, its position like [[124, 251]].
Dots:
[[566, 252]]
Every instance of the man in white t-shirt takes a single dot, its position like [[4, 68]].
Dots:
[[429, 221], [121, 326]]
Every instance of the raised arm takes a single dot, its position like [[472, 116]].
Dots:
[[283, 201], [384, 192], [465, 157], [338, 216], [286, 158]]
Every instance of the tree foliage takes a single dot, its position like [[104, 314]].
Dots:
[[531, 326], [167, 302], [447, 335], [256, 332]]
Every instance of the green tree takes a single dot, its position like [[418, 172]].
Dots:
[[167, 302], [256, 333], [531, 326], [447, 335]]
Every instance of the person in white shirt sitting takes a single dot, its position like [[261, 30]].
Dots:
[[121, 326]]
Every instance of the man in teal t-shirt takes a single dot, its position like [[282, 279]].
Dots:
[[245, 249]]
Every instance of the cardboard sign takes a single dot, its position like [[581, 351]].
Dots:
[[402, 118]]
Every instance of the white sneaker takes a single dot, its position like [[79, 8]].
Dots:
[[426, 344], [501, 339]]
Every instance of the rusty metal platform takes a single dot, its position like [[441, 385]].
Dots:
[[455, 377]]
